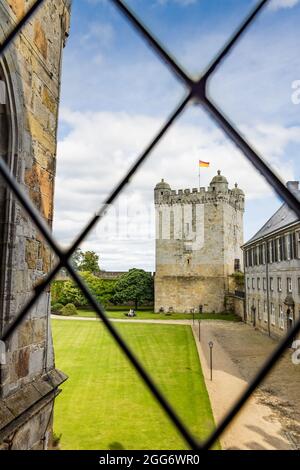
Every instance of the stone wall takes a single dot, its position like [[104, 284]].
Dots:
[[235, 304], [239, 307], [30, 75]]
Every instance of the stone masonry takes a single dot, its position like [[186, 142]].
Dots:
[[29, 99], [199, 235]]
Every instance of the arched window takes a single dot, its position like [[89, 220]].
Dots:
[[4, 138], [4, 151]]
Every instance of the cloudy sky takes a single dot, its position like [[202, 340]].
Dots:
[[116, 94]]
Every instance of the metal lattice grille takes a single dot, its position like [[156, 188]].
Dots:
[[197, 90]]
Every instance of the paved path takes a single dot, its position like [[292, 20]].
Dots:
[[237, 354]]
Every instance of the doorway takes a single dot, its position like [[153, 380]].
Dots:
[[253, 316]]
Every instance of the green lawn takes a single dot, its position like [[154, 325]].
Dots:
[[104, 405], [150, 315]]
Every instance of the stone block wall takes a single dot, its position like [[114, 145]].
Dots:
[[30, 76], [199, 234]]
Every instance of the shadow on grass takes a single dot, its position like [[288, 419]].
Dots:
[[116, 446]]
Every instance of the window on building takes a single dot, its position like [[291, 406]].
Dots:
[[270, 252], [271, 283], [278, 249], [283, 247], [237, 264], [289, 285], [281, 317], [253, 283], [298, 244], [265, 312], [279, 284], [288, 247], [248, 283], [299, 285], [260, 251], [255, 256], [293, 245], [264, 253], [274, 251], [264, 283], [258, 283], [273, 316], [258, 310]]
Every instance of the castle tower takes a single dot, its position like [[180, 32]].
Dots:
[[29, 98], [199, 234]]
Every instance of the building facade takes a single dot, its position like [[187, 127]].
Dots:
[[199, 234], [29, 97], [272, 272]]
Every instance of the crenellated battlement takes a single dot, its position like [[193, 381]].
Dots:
[[217, 192]]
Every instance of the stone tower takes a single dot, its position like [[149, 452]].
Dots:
[[29, 98], [199, 235]]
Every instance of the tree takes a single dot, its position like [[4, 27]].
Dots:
[[76, 258], [135, 286], [89, 262], [65, 292]]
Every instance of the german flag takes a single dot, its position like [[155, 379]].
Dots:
[[203, 164]]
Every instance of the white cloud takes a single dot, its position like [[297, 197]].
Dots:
[[101, 146], [101, 34], [278, 4]]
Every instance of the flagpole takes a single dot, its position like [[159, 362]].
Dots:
[[202, 164]]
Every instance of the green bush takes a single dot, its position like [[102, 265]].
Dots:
[[69, 310], [239, 279], [66, 292], [56, 308]]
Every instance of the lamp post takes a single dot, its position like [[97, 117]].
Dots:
[[199, 329], [211, 345]]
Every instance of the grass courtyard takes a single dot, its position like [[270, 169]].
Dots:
[[104, 405]]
